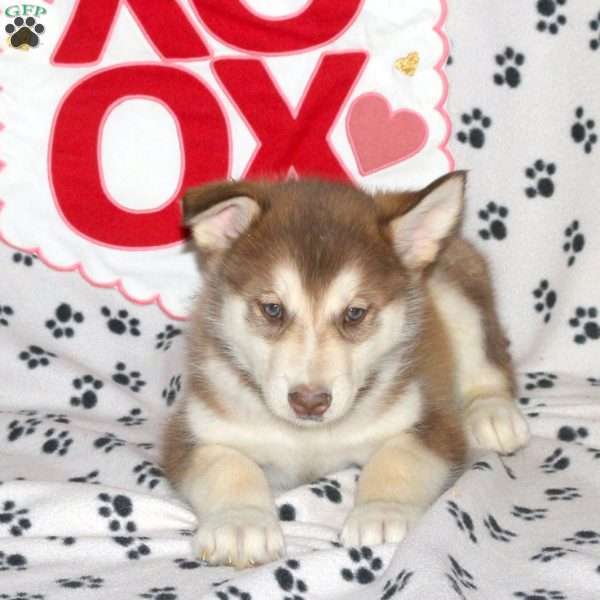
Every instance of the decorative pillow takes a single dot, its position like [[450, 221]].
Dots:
[[111, 109]]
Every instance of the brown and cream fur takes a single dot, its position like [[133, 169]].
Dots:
[[420, 375]]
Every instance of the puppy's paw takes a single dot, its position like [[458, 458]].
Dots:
[[379, 523], [241, 537], [496, 424]]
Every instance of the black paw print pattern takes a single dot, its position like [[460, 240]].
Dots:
[[526, 403], [540, 594], [65, 541], [24, 32], [563, 494], [557, 461], [129, 379], [6, 312], [540, 176], [540, 380], [545, 299], [170, 393], [232, 592], [509, 61], [365, 565], [12, 562], [460, 579], [22, 258], [35, 357], [463, 520], [120, 322], [19, 428], [586, 321], [87, 388], [594, 381], [117, 510], [287, 512], [65, 318], [583, 131], [595, 452], [496, 531], [85, 581], [395, 585], [584, 537], [133, 419], [572, 434], [160, 593], [528, 514], [91, 477], [108, 442], [57, 442], [164, 339], [550, 553], [493, 216], [551, 19], [188, 564], [289, 581], [574, 243], [476, 123], [148, 474], [595, 27], [14, 518], [327, 488], [22, 596]]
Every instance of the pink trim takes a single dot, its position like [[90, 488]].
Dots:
[[156, 298], [275, 19], [117, 283], [439, 67]]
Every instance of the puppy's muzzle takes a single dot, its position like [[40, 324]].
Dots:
[[309, 402]]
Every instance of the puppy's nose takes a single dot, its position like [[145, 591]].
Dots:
[[308, 401]]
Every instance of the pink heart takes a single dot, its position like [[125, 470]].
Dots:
[[381, 137]]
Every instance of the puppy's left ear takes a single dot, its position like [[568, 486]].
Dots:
[[419, 222]]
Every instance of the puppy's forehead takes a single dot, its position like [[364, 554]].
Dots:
[[328, 299]]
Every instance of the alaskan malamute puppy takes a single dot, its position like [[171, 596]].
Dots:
[[335, 327]]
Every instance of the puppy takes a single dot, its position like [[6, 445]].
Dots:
[[334, 328]]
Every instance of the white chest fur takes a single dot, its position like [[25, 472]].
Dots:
[[292, 455]]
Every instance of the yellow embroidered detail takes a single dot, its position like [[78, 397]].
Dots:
[[408, 64]]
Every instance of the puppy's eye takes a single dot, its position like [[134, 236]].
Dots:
[[354, 315], [272, 311]]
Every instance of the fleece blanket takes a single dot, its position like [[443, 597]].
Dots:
[[89, 375]]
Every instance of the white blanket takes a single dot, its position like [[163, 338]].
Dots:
[[88, 379]]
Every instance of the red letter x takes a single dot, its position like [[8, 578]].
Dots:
[[292, 140]]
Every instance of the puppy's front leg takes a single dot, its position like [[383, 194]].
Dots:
[[395, 487], [230, 494]]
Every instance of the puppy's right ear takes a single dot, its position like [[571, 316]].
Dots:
[[218, 213]]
